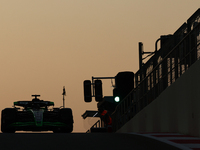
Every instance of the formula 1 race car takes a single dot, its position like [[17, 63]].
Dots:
[[35, 115]]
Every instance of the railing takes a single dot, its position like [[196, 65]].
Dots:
[[175, 56], [98, 124]]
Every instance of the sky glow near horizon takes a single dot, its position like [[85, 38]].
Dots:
[[48, 44]]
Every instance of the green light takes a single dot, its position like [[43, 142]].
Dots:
[[117, 99]]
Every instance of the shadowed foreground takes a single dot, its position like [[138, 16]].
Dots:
[[79, 141]]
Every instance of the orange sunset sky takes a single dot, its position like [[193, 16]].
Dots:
[[48, 44]]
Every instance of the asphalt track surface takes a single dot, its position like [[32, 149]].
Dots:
[[79, 141]]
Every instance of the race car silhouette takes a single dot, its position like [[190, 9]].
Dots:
[[35, 115]]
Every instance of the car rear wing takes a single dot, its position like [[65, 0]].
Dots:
[[41, 103]]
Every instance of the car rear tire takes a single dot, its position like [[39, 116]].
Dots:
[[67, 118], [8, 117]]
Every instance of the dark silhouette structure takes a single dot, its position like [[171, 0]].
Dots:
[[178, 51], [176, 54]]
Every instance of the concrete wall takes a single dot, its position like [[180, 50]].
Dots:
[[177, 109]]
